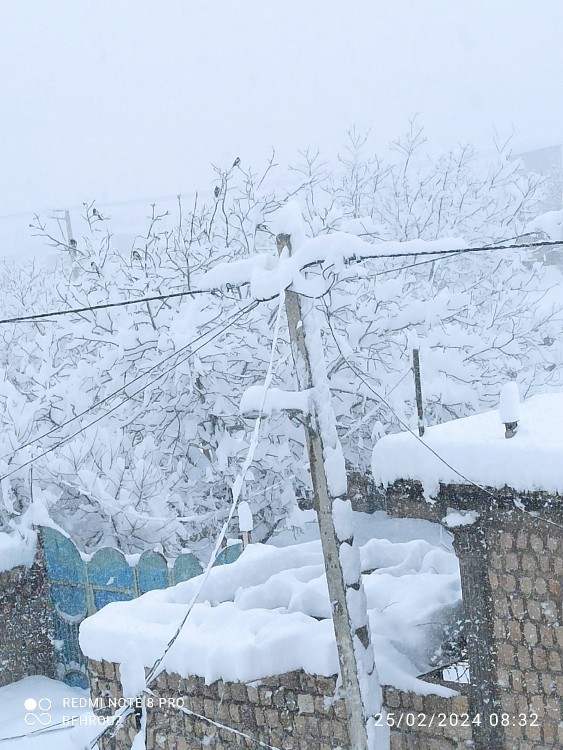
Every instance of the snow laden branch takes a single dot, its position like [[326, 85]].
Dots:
[[274, 400]]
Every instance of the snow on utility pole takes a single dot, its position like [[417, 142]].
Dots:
[[362, 691]]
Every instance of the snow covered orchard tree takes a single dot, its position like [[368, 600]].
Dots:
[[481, 318], [416, 194], [158, 468]]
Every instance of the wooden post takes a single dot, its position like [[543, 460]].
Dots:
[[70, 241], [471, 547], [69, 235], [418, 390], [338, 587]]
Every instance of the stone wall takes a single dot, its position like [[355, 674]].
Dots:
[[511, 564], [25, 630], [428, 722], [526, 572], [294, 711]]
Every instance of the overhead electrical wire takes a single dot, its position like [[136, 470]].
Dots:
[[435, 255], [464, 250], [107, 305], [130, 396]]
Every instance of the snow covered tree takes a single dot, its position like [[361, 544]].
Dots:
[[157, 469]]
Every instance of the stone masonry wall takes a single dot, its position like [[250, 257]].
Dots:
[[428, 722], [294, 711], [526, 574], [25, 643], [511, 563]]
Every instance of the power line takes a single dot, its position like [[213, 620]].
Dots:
[[464, 250], [105, 305], [453, 255], [435, 255], [119, 390], [129, 397], [236, 490]]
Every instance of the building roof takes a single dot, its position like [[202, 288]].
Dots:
[[478, 452]]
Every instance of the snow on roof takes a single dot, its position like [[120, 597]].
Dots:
[[268, 613], [550, 224], [477, 448]]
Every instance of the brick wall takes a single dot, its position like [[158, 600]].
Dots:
[[25, 643], [428, 722], [526, 572], [511, 564], [294, 711]]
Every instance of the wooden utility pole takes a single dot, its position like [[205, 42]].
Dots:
[[345, 587], [418, 390]]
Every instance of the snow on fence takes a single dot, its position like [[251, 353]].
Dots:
[[81, 585]]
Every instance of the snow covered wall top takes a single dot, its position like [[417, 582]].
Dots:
[[269, 613], [17, 548], [477, 448]]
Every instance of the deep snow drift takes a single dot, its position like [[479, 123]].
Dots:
[[268, 613]]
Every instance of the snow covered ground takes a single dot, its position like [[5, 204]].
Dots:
[[43, 714], [268, 613], [477, 448]]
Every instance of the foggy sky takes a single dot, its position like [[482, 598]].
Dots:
[[128, 99]]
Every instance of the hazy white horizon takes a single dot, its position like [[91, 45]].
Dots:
[[134, 100]]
